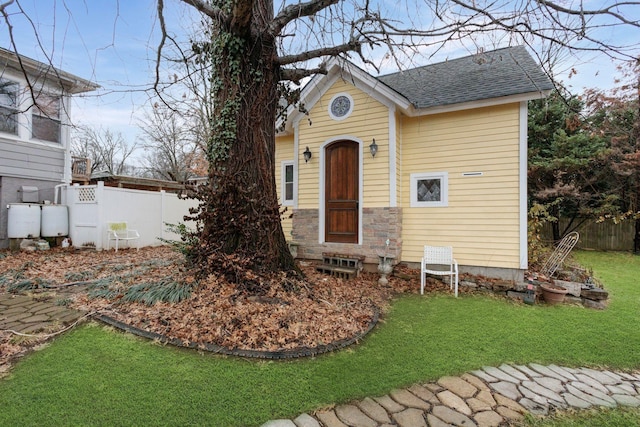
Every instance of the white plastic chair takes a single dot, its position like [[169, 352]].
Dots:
[[439, 255], [120, 231]]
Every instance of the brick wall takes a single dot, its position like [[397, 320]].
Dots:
[[378, 225]]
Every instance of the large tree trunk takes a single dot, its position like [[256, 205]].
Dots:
[[242, 236]]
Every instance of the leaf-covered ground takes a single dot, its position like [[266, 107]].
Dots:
[[318, 311]]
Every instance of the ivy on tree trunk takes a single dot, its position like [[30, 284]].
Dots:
[[241, 235]]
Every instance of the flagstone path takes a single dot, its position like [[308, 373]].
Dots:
[[487, 397]]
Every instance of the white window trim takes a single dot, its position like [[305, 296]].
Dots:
[[444, 178], [15, 107], [351, 104], [283, 176], [25, 114]]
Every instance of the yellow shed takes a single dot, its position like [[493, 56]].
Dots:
[[436, 155]]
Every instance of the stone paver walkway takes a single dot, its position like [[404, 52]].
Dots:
[[29, 314], [487, 397]]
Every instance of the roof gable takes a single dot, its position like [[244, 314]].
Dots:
[[489, 78]]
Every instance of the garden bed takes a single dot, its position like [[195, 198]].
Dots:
[[325, 311]]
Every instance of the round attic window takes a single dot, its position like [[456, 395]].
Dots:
[[340, 106]]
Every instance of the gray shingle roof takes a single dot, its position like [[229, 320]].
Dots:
[[502, 72]]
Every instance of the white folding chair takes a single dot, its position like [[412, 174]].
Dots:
[[443, 256]]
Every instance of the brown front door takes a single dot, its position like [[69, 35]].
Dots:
[[341, 192]]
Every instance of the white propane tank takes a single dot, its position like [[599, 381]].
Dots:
[[23, 221], [55, 221]]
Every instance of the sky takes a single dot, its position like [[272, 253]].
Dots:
[[114, 43]]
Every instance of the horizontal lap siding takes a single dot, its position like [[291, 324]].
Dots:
[[481, 221], [368, 120], [23, 159], [284, 152]]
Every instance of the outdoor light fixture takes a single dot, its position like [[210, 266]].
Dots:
[[373, 148], [307, 155]]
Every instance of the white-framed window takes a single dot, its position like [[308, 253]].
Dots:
[[429, 189], [45, 119], [9, 106], [288, 178], [340, 106]]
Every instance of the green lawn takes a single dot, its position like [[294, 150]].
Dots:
[[96, 376], [596, 417]]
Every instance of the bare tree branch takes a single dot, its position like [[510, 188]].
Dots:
[[317, 53], [210, 11], [295, 75], [296, 11], [163, 39], [609, 10]]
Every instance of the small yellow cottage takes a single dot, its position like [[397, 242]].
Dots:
[[434, 155]]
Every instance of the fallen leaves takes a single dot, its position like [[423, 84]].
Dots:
[[319, 311]]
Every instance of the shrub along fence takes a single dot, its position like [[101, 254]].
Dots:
[[148, 212], [605, 236]]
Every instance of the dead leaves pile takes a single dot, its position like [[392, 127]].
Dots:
[[320, 311], [326, 310]]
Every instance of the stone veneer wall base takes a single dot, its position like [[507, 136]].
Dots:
[[378, 225]]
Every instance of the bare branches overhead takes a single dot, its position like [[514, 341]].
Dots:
[[208, 10], [317, 29], [296, 11]]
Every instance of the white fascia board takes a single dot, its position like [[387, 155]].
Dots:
[[39, 70], [478, 104], [376, 89], [337, 69]]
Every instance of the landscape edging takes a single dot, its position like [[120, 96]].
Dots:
[[214, 348]]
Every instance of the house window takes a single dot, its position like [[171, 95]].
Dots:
[[287, 183], [8, 106], [45, 123], [340, 106], [429, 189]]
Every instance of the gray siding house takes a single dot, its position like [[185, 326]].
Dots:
[[35, 148]]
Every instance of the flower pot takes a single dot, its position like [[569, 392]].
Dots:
[[553, 294]]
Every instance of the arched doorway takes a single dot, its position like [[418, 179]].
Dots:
[[342, 191]]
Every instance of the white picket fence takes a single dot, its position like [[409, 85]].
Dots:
[[92, 206]]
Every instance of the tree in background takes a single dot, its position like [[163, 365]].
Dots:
[[584, 156], [108, 151], [614, 116], [566, 163], [172, 152]]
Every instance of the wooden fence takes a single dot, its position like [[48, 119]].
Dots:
[[605, 236]]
